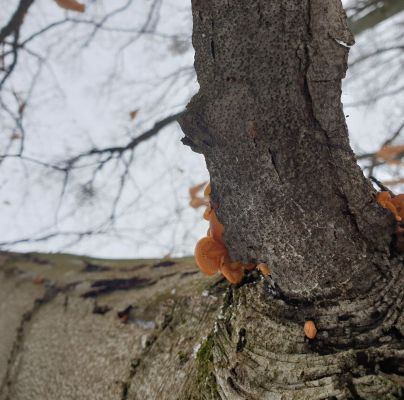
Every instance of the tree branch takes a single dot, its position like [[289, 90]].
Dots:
[[376, 15], [16, 20], [119, 150]]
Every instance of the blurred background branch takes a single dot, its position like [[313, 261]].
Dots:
[[367, 14]]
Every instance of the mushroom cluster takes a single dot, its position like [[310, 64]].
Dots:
[[396, 205], [211, 254]]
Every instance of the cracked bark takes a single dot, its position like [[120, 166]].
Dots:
[[290, 194]]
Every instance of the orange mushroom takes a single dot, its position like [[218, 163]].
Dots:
[[396, 205], [232, 271], [310, 329], [386, 201], [264, 269], [211, 254], [398, 202], [216, 228], [383, 197]]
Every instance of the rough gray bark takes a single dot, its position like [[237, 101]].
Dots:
[[268, 119]]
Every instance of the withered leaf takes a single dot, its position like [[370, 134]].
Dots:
[[133, 114], [72, 5], [391, 154]]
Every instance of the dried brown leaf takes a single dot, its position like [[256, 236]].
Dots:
[[15, 136], [72, 5], [133, 114], [197, 201], [391, 154]]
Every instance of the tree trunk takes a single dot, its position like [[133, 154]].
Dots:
[[80, 328], [269, 120]]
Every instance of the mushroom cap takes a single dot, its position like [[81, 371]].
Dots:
[[208, 255], [310, 329]]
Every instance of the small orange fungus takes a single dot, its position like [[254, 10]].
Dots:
[[211, 254], [264, 269], [394, 204], [310, 329]]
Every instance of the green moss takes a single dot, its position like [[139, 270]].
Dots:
[[205, 382]]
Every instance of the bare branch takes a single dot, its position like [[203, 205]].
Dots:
[[16, 20], [49, 236], [119, 150], [373, 157], [387, 142], [378, 12]]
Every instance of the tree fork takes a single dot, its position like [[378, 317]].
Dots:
[[269, 120]]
